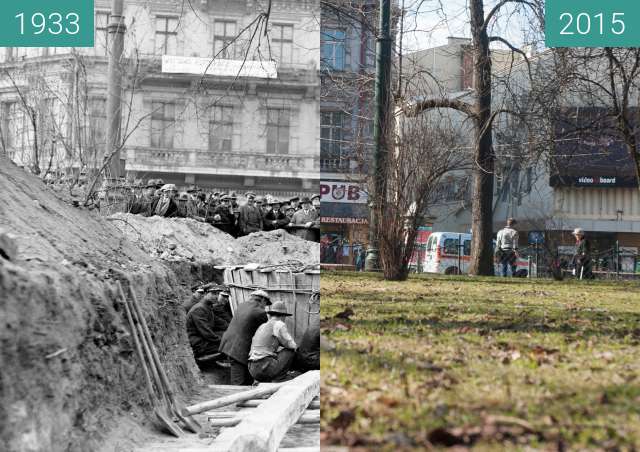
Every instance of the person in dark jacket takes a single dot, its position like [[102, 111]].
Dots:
[[203, 328], [236, 341], [223, 218], [582, 258], [250, 216], [166, 206]]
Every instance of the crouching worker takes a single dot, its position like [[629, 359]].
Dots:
[[272, 348], [203, 329]]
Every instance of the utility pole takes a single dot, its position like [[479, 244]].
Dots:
[[380, 132], [116, 30]]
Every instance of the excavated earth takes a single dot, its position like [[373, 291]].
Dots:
[[69, 380]]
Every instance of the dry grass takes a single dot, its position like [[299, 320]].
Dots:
[[497, 364]]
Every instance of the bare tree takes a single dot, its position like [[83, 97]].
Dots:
[[481, 113], [425, 151]]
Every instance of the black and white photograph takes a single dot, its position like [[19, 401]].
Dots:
[[160, 229]]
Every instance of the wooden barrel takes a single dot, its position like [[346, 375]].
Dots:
[[300, 290]]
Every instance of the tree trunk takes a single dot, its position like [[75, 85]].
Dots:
[[482, 207]]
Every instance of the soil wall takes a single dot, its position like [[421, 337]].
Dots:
[[67, 368]]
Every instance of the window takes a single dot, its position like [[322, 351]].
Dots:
[[221, 129], [224, 36], [101, 44], [282, 43], [431, 243], [162, 124], [332, 49], [166, 35], [98, 124], [331, 134], [278, 120], [467, 248], [17, 124], [451, 246], [7, 53]]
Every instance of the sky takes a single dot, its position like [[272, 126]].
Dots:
[[428, 23]]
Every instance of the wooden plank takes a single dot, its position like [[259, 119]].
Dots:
[[240, 388], [241, 413], [314, 405], [305, 419], [230, 399], [264, 429]]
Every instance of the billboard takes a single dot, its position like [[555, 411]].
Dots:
[[588, 152], [218, 67]]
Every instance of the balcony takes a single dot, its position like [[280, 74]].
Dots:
[[198, 161]]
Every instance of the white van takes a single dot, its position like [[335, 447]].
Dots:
[[450, 253]]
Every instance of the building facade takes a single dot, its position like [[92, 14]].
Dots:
[[232, 131], [346, 119]]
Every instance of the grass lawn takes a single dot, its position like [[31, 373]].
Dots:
[[499, 364]]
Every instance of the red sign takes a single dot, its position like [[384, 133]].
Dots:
[[339, 220]]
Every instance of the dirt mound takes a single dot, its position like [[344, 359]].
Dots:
[[68, 370], [177, 239], [184, 239], [276, 247]]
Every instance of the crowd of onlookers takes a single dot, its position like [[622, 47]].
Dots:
[[234, 214]]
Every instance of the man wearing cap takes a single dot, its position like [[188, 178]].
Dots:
[[275, 218], [305, 217], [203, 328], [250, 216], [507, 247], [223, 216], [295, 203], [272, 347], [582, 258], [166, 205], [315, 201], [236, 341]]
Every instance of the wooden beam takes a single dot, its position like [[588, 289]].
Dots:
[[314, 405], [258, 392], [264, 429], [307, 418], [241, 413]]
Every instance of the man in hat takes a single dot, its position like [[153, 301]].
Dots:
[[305, 217], [183, 208], [275, 218], [250, 216], [166, 205], [236, 341], [272, 347], [582, 258], [295, 203], [315, 201], [204, 328], [196, 297], [223, 216], [507, 247]]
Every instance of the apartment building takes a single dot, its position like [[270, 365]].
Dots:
[[235, 127]]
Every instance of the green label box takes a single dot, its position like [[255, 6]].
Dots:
[[592, 23], [46, 23]]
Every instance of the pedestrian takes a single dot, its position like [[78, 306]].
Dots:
[[582, 258], [272, 347], [236, 341], [250, 216], [166, 205], [306, 217], [507, 247]]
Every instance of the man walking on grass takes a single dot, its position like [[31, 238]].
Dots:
[[507, 247]]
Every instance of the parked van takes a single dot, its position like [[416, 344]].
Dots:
[[450, 253]]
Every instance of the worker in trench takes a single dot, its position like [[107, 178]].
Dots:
[[236, 341], [206, 323], [272, 348]]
